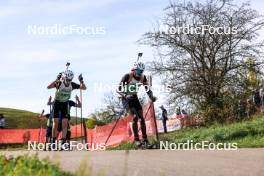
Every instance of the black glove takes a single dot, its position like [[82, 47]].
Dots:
[[50, 98], [80, 77], [59, 76], [153, 98], [128, 97]]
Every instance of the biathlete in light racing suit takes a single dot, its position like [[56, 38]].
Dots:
[[63, 94]]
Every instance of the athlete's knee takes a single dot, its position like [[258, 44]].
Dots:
[[65, 120]]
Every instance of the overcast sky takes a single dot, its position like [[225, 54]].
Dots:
[[30, 62]]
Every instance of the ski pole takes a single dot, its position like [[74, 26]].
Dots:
[[40, 130], [76, 118], [111, 131], [51, 111], [155, 121], [116, 123], [147, 111], [81, 114]]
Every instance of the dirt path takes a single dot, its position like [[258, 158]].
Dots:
[[156, 162]]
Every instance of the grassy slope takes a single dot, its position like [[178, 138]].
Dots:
[[24, 119], [20, 118], [248, 133]]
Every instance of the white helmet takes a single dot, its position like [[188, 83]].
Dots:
[[139, 65], [68, 75]]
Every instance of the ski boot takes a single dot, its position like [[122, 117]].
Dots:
[[147, 145], [138, 144]]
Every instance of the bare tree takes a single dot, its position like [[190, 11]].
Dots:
[[112, 110], [206, 68]]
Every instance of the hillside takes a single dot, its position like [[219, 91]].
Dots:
[[247, 134], [22, 119]]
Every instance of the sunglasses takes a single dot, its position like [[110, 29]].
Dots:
[[139, 72]]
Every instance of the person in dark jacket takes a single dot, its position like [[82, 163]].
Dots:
[[256, 98], [2, 121], [164, 118]]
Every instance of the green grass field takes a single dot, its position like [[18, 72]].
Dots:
[[247, 134], [21, 119]]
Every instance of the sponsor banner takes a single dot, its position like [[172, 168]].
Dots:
[[173, 124]]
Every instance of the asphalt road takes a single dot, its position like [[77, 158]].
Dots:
[[158, 162]]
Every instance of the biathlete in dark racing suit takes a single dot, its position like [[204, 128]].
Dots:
[[128, 88]]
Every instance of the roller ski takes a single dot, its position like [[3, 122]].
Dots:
[[145, 145]]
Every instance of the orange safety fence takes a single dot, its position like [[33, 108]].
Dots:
[[121, 133], [18, 136]]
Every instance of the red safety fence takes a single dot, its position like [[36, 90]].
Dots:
[[121, 133], [18, 136]]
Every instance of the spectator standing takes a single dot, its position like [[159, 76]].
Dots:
[[164, 118], [178, 113], [256, 98], [184, 118], [261, 94], [2, 121]]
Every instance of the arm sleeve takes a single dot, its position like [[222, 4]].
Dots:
[[75, 86]]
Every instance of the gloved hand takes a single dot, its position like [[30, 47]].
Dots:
[[59, 76], [153, 98], [128, 96], [50, 98], [80, 77]]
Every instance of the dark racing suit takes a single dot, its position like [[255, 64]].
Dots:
[[128, 87]]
